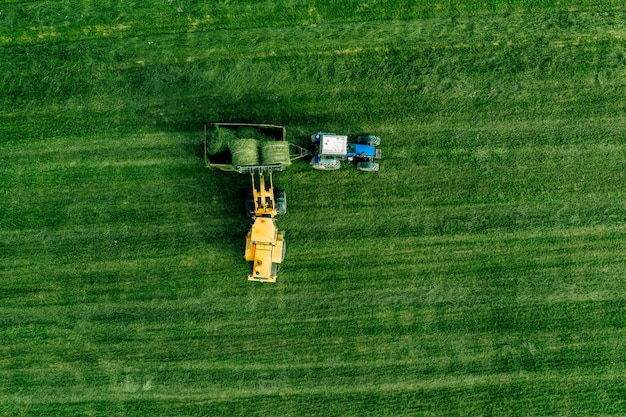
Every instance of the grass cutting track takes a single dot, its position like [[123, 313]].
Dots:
[[481, 272]]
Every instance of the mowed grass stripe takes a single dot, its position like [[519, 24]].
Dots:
[[574, 29], [554, 318], [54, 21], [107, 331], [470, 276], [485, 391], [138, 386], [135, 330]]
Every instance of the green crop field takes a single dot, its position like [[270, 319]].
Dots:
[[481, 272]]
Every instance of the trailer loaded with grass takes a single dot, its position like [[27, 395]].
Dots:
[[230, 145]]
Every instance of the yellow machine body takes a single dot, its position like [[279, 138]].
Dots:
[[265, 245]]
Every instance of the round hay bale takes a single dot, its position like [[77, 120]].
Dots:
[[275, 153], [244, 152], [218, 140]]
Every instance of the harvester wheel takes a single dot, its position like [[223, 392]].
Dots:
[[282, 256], [281, 202], [250, 207]]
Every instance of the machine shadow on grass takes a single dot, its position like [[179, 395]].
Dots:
[[250, 107], [225, 193]]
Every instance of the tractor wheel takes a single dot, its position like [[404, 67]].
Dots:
[[368, 140], [367, 166], [326, 165]]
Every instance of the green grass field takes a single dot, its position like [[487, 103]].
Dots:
[[482, 271]]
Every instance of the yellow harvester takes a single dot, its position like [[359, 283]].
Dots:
[[265, 245]]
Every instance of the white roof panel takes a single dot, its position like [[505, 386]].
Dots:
[[334, 145]]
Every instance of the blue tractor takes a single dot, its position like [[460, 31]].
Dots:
[[332, 148]]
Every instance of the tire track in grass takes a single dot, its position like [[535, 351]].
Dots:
[[478, 26], [409, 36], [577, 394]]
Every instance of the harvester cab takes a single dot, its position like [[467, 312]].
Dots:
[[265, 244]]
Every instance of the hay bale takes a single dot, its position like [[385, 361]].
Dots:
[[218, 140], [244, 152], [275, 153]]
